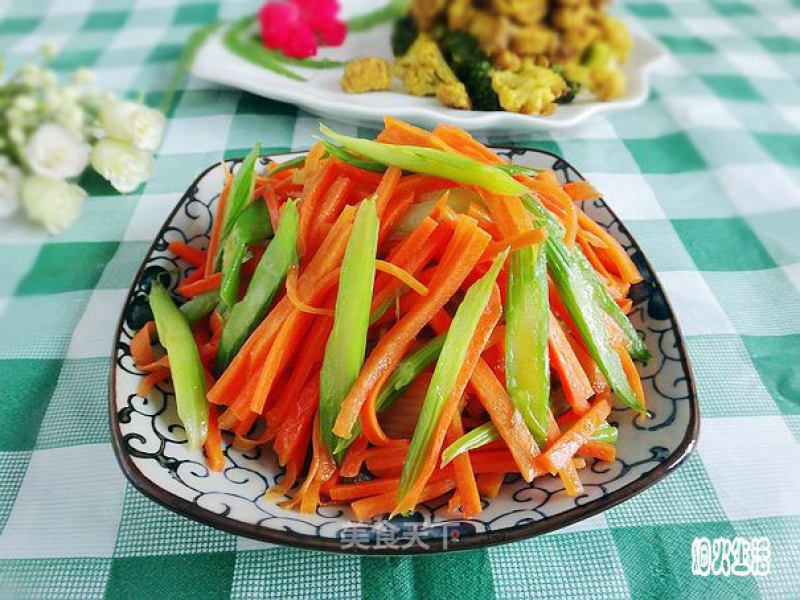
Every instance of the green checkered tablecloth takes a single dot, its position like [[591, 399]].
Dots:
[[707, 177]]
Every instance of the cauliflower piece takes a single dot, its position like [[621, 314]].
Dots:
[[607, 83], [531, 90], [505, 59], [572, 17], [491, 31], [460, 14], [423, 68], [614, 33], [523, 11], [606, 79], [426, 12], [366, 75], [533, 39], [454, 95]]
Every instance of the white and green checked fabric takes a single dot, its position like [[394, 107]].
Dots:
[[707, 177]]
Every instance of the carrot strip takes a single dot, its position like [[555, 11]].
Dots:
[[196, 288], [576, 384], [345, 492], [572, 481], [309, 359], [631, 372], [213, 444], [152, 379], [396, 131], [463, 143], [599, 450], [141, 345], [627, 269], [463, 252], [468, 495], [313, 192], [386, 188], [489, 484], [515, 242], [561, 452], [401, 274], [332, 203], [369, 416], [291, 292], [296, 421], [216, 230], [351, 466], [580, 191], [367, 508], [424, 184], [391, 215], [193, 256]]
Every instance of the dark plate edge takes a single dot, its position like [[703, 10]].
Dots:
[[478, 540]]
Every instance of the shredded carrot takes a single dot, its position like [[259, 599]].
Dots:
[[396, 131], [463, 143], [580, 191], [630, 372], [193, 256], [291, 292], [573, 379], [213, 444], [196, 288], [599, 450], [367, 508], [468, 496], [141, 346], [401, 274], [489, 484], [351, 466], [386, 188], [152, 379], [561, 452], [216, 230]]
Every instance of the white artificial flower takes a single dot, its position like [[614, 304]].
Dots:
[[123, 165], [54, 151], [84, 76], [49, 79], [9, 187], [25, 103], [71, 116], [16, 135], [71, 93], [52, 202], [31, 75], [131, 122]]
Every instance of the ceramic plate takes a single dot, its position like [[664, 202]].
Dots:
[[322, 95], [151, 446]]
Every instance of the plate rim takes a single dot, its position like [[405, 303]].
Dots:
[[578, 513]]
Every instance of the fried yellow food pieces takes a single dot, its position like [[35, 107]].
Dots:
[[366, 75]]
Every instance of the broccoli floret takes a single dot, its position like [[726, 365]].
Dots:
[[404, 34], [606, 80], [472, 67], [573, 85]]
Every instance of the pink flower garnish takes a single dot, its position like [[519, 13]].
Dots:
[[296, 26], [302, 42]]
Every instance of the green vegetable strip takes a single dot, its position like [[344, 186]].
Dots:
[[186, 369], [237, 40], [388, 12], [527, 322], [352, 159], [434, 162], [239, 196], [635, 343], [253, 225], [486, 433], [200, 306], [578, 295], [452, 356], [298, 161], [267, 279], [344, 352], [403, 376], [472, 440]]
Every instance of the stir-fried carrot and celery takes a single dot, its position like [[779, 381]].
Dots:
[[400, 320]]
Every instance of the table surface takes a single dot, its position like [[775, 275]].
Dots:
[[706, 175]]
